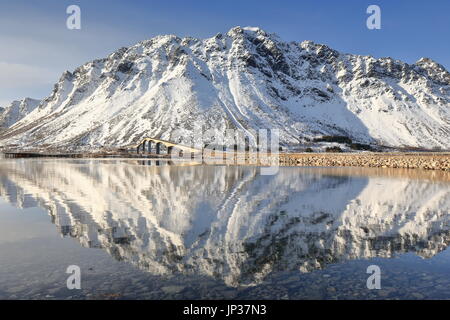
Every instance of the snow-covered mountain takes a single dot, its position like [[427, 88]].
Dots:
[[228, 222], [246, 79], [16, 111]]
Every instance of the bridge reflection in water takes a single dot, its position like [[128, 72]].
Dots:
[[232, 223]]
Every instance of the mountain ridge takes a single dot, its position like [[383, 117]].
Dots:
[[245, 79]]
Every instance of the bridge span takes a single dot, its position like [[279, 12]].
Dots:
[[146, 145]]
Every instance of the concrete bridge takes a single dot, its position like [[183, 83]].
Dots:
[[146, 146]]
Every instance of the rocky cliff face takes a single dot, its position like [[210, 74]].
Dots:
[[230, 222], [245, 79]]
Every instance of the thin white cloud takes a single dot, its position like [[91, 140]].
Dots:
[[14, 75], [18, 81], [4, 103]]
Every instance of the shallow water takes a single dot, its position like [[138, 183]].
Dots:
[[146, 230]]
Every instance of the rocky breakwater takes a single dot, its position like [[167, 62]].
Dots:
[[426, 161]]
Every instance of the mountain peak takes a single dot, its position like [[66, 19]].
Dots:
[[250, 32], [248, 80], [17, 110], [434, 70], [424, 61]]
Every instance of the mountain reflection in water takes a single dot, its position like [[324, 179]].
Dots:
[[233, 223]]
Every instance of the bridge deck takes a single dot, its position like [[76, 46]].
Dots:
[[167, 144]]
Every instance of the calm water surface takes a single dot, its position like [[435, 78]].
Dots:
[[147, 230]]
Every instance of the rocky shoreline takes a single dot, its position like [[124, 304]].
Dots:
[[425, 161]]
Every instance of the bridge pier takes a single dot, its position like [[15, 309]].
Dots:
[[146, 144], [247, 144], [139, 147]]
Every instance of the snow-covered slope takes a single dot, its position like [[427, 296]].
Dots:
[[229, 222], [246, 79], [16, 111]]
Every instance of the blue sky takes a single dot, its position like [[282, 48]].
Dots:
[[36, 46]]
